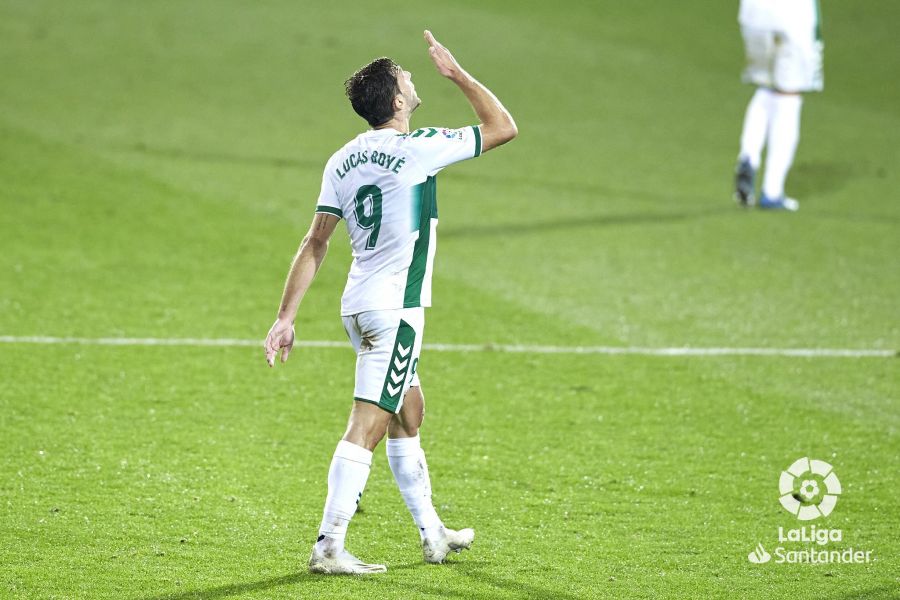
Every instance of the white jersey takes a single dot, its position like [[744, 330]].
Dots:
[[383, 184], [795, 18]]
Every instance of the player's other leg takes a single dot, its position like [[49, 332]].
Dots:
[[410, 469]]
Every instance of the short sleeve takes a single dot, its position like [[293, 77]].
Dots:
[[328, 201], [438, 147]]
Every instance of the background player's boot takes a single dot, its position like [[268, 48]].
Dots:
[[436, 549], [783, 203], [341, 563], [744, 183]]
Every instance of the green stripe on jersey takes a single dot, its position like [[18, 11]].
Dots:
[[330, 210], [477, 131], [818, 8], [398, 368], [425, 200]]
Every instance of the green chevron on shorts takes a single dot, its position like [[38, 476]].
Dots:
[[398, 368]]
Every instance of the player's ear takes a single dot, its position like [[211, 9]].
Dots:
[[399, 102]]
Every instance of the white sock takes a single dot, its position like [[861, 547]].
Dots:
[[756, 124], [346, 481], [407, 460], [784, 133]]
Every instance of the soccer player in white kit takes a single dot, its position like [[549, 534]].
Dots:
[[382, 183], [783, 44]]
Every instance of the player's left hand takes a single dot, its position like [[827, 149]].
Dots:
[[281, 337]]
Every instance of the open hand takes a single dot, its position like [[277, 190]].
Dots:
[[444, 62], [281, 336]]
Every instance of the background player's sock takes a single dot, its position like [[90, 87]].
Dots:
[[346, 481], [756, 124], [784, 133], [407, 460]]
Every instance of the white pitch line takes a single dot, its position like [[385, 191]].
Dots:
[[506, 348], [676, 351]]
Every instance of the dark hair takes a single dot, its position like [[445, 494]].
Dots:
[[371, 91]]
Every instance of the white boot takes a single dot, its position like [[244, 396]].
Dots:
[[340, 563], [436, 549]]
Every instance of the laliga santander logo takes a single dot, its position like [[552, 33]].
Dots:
[[809, 489]]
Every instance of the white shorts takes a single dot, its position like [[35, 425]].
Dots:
[[785, 63], [387, 344]]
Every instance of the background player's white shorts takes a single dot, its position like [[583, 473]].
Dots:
[[781, 61], [387, 344]]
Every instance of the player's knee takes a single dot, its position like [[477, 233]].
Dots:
[[400, 430], [367, 436], [367, 426], [404, 427]]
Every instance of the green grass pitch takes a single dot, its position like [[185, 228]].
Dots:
[[159, 162]]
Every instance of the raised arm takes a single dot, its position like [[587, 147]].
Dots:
[[306, 263], [497, 125]]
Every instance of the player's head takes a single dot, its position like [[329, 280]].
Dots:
[[381, 89]]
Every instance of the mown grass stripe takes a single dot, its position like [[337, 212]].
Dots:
[[487, 347]]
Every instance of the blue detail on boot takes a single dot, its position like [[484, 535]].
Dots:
[[782, 203]]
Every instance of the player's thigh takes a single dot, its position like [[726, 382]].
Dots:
[[759, 51], [388, 355], [351, 326], [798, 64]]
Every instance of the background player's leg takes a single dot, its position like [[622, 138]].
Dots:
[[756, 124], [753, 138], [784, 134]]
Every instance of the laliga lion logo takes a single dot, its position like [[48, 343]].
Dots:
[[809, 489]]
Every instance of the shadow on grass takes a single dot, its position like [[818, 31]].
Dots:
[[570, 223], [821, 177], [477, 571], [811, 179], [592, 186], [884, 592], [221, 157], [481, 572], [234, 589], [585, 187]]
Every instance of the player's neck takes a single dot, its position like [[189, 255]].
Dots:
[[399, 122]]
